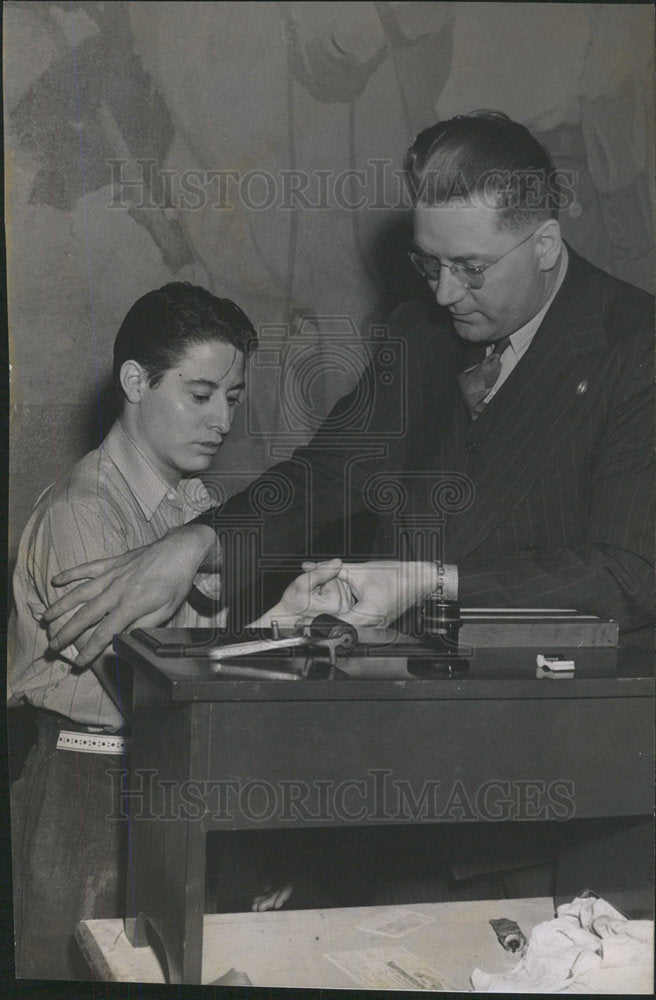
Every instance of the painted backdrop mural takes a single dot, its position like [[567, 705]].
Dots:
[[255, 148]]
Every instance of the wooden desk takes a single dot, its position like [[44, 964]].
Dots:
[[250, 754], [288, 948]]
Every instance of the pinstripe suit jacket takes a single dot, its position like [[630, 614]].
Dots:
[[560, 460]]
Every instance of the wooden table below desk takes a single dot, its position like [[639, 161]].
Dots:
[[288, 947]]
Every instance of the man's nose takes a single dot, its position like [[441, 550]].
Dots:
[[447, 289]]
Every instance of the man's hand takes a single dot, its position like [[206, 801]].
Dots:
[[139, 589], [383, 589], [317, 591]]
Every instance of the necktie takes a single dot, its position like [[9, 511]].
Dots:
[[476, 382]]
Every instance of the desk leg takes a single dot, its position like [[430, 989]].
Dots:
[[166, 889]]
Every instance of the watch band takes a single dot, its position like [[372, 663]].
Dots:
[[438, 590]]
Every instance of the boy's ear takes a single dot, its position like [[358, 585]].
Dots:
[[133, 381]]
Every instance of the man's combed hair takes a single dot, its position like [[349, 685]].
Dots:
[[485, 158], [162, 325]]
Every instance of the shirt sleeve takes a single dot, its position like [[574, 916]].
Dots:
[[70, 533], [62, 534]]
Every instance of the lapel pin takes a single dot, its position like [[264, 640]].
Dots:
[[582, 387]]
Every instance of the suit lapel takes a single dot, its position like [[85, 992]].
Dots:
[[522, 429]]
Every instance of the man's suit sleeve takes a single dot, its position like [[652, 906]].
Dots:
[[314, 504], [610, 572], [308, 506]]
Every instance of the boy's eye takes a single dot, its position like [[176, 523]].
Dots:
[[234, 400], [199, 398]]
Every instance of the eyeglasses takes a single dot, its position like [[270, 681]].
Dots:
[[469, 275]]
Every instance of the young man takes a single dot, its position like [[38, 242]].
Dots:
[[179, 364], [179, 360]]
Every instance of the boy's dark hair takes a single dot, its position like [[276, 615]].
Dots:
[[486, 158], [163, 324]]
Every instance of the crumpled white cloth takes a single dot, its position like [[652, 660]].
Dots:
[[588, 948]]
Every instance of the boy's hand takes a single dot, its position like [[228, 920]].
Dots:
[[382, 590], [317, 591]]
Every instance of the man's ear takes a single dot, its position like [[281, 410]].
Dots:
[[548, 245], [133, 381]]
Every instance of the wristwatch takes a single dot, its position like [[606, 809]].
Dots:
[[438, 591]]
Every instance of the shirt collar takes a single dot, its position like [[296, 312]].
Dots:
[[520, 339], [147, 486]]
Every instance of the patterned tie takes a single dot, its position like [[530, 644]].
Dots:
[[476, 382]]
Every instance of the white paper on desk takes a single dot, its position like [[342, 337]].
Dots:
[[387, 969], [395, 923]]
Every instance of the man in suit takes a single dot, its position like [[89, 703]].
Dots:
[[556, 448], [528, 383]]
